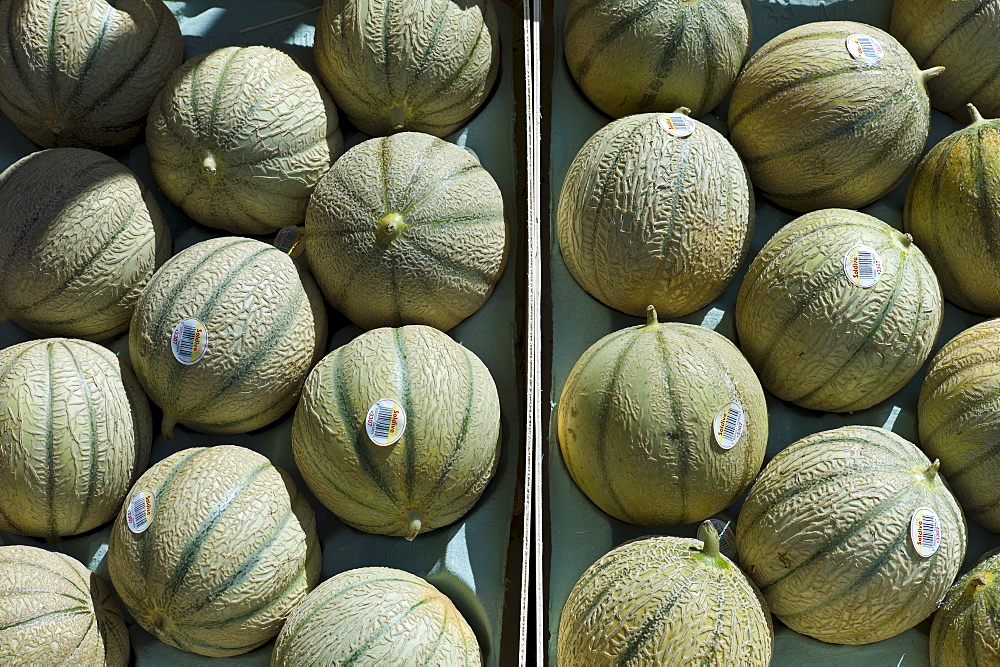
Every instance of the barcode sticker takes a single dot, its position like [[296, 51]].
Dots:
[[290, 241], [865, 48], [189, 341], [139, 513], [386, 422], [862, 266], [925, 531], [676, 124], [727, 538], [729, 425]]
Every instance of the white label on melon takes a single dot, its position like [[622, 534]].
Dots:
[[289, 240], [925, 531], [676, 124], [189, 341], [139, 513], [729, 424], [862, 266], [865, 48], [727, 539], [386, 422]]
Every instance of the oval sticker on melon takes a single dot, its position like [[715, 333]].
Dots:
[[139, 513], [676, 124], [189, 341], [865, 49], [386, 422], [729, 424]]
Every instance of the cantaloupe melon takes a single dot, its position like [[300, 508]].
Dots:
[[665, 601], [406, 229], [959, 419], [951, 211], [852, 535], [838, 311], [420, 65], [84, 72], [634, 56], [966, 627], [80, 236], [213, 549], [56, 612], [655, 209], [830, 114], [378, 616], [652, 416], [76, 435], [398, 431], [239, 137], [961, 35], [224, 335]]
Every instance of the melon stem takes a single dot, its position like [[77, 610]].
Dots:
[[929, 74], [683, 110], [931, 472], [977, 117], [413, 518], [651, 315], [167, 426], [710, 539], [977, 583], [209, 164]]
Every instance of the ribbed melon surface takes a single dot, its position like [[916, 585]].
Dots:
[[229, 550], [239, 137], [54, 611], [445, 454], [638, 421], [665, 601], [378, 616], [77, 434], [818, 128], [265, 325], [961, 35], [420, 65], [959, 417], [80, 236], [826, 533], [634, 56], [407, 229], [953, 212], [966, 626], [648, 217], [84, 72], [814, 334]]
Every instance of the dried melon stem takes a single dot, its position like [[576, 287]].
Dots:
[[389, 228], [162, 622], [167, 426], [978, 582], [929, 74], [709, 553], [397, 117], [209, 164], [651, 316], [932, 471], [683, 110], [977, 117], [414, 520]]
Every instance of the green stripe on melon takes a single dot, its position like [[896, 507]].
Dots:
[[655, 55], [953, 212], [825, 533], [376, 615], [819, 340], [266, 327], [966, 626], [959, 418], [56, 612], [961, 35], [230, 549], [829, 131], [78, 433], [448, 450], [84, 72]]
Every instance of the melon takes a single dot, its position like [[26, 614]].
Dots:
[[56, 612], [961, 35], [225, 334], [653, 415], [655, 209], [84, 72], [239, 137], [959, 419], [76, 435], [852, 535], [406, 229], [80, 236], [398, 431], [838, 311], [966, 628], [213, 549], [830, 114], [665, 600], [420, 65], [378, 616], [951, 212], [637, 56]]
